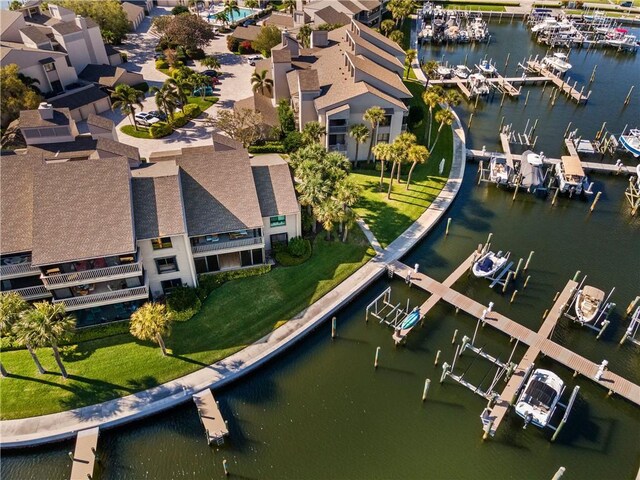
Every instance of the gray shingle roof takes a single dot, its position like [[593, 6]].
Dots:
[[33, 119], [83, 147], [246, 33], [35, 34], [308, 80], [98, 121], [106, 75], [82, 210], [282, 55], [275, 190], [218, 191], [65, 28], [331, 16], [79, 98]]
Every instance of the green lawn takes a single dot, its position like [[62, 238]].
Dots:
[[141, 132], [389, 218], [233, 316], [203, 103]]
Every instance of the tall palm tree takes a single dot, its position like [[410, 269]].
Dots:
[[151, 322], [387, 26], [127, 98], [289, 5], [304, 35], [443, 117], [222, 17], [259, 81], [397, 36], [402, 144], [46, 325], [313, 191], [328, 213], [412, 54], [383, 153], [416, 154], [347, 192], [452, 98], [360, 133], [181, 86], [231, 7], [313, 132], [432, 97], [210, 62], [374, 115], [430, 68], [12, 306], [166, 99]]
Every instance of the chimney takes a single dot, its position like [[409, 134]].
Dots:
[[81, 22], [319, 38], [291, 43], [46, 111]]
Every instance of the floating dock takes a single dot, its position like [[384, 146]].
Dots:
[[565, 87], [84, 456], [214, 425]]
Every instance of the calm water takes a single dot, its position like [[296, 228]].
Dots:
[[322, 411]]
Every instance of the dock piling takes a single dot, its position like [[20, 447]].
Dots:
[[470, 120], [526, 100], [517, 268], [593, 74], [445, 371], [334, 332], [225, 468], [513, 296], [455, 334], [526, 265], [555, 196], [595, 200], [628, 99], [448, 225], [575, 277], [437, 358], [427, 382], [506, 282], [375, 362], [526, 281]]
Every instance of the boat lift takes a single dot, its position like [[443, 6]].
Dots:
[[631, 332], [391, 314], [601, 321]]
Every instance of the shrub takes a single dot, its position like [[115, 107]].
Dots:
[[183, 303], [192, 110], [197, 54], [270, 147], [298, 252], [292, 142], [179, 9], [142, 86], [298, 246], [161, 64], [165, 44], [181, 54], [124, 57], [180, 119], [415, 115], [232, 43], [160, 129], [245, 47], [210, 281]]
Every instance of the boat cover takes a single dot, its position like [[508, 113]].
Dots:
[[572, 166]]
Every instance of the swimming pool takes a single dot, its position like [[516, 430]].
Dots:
[[234, 16]]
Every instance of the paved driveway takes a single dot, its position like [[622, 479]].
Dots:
[[235, 85]]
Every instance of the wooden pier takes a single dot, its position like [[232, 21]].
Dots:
[[84, 456], [565, 87], [214, 425], [538, 341]]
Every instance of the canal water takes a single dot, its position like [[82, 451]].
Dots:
[[322, 411]]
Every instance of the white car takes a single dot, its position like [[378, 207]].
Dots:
[[254, 58], [146, 119]]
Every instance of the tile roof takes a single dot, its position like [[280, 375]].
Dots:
[[157, 201], [274, 185], [33, 119], [16, 208], [78, 98], [82, 210], [331, 16], [220, 199]]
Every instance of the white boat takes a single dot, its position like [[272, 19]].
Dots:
[[557, 61], [427, 33], [631, 142], [499, 170], [588, 301], [478, 84], [533, 158], [462, 71], [444, 72], [545, 24], [571, 176], [486, 68], [539, 398], [488, 264]]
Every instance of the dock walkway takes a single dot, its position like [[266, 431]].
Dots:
[[565, 87], [210, 416], [84, 458]]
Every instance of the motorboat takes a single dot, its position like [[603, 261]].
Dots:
[[478, 84], [412, 319], [571, 176], [426, 33], [545, 24], [489, 264], [588, 302], [462, 71], [463, 36], [539, 398], [499, 170], [533, 158], [486, 68], [531, 174], [444, 72], [557, 61], [631, 142]]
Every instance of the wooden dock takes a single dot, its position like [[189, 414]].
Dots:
[[538, 341], [527, 80], [84, 457], [565, 87], [214, 425]]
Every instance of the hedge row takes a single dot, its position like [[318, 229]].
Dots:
[[269, 147]]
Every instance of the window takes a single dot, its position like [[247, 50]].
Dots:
[[338, 139], [49, 67], [387, 120], [169, 285], [282, 238], [257, 256], [245, 258], [278, 221], [167, 264], [383, 137], [160, 243]]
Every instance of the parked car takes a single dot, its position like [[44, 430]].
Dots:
[[210, 73], [254, 58], [215, 81], [626, 4], [252, 63], [146, 119], [208, 91], [158, 114], [250, 21]]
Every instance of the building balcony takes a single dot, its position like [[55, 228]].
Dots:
[[33, 293], [216, 244], [17, 266], [339, 129], [338, 147], [60, 280], [105, 298]]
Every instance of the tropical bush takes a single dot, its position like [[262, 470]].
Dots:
[[245, 47], [180, 119], [179, 9], [232, 43], [160, 129], [292, 142], [197, 54], [297, 252], [183, 303], [192, 110], [161, 64]]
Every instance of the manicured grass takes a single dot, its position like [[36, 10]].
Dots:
[[233, 316], [412, 74], [203, 103], [388, 218], [141, 132]]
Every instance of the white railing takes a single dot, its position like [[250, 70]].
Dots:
[[116, 296], [33, 293], [84, 276], [208, 247], [18, 270]]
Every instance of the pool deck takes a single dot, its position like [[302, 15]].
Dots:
[[64, 425]]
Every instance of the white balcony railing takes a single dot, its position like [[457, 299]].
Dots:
[[105, 298], [208, 247], [33, 293], [91, 276], [18, 270]]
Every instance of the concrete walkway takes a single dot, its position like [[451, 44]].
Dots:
[[64, 425]]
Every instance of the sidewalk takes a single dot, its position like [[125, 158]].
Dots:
[[65, 425]]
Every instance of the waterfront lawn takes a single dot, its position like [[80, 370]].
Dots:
[[233, 316], [389, 218]]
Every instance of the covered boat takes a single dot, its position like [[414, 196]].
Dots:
[[488, 264], [478, 84], [588, 302], [539, 399], [571, 176], [531, 171]]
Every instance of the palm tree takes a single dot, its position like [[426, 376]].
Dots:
[[12, 306], [222, 17], [374, 115], [360, 133], [127, 98], [402, 144], [29, 82], [313, 190], [151, 322], [416, 154], [432, 97], [329, 213], [181, 86], [397, 36], [430, 68], [211, 62], [259, 81], [452, 98], [411, 56], [443, 117], [231, 7], [312, 132], [251, 3], [289, 5], [202, 82], [304, 35], [166, 99], [383, 153], [347, 192], [387, 26], [46, 325]]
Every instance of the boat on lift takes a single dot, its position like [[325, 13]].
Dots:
[[539, 398], [489, 264], [444, 71], [486, 68], [478, 84], [557, 61], [588, 302], [499, 170], [531, 173], [570, 175], [631, 142], [462, 71]]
